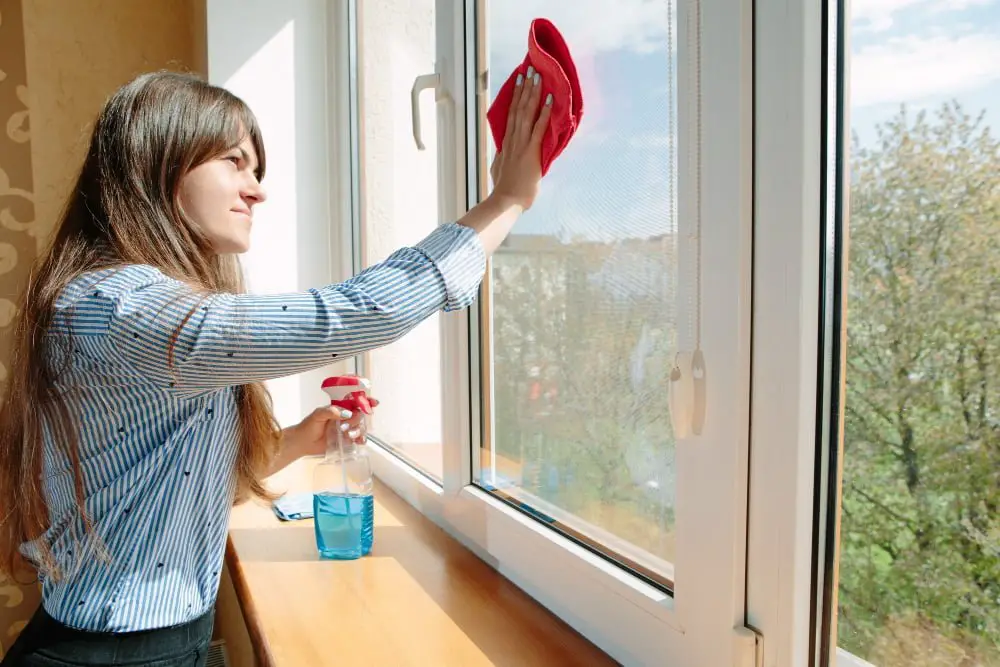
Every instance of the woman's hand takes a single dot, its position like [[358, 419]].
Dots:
[[308, 437], [517, 169]]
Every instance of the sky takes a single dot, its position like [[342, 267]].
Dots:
[[613, 180], [923, 53]]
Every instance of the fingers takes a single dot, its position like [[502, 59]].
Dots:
[[526, 115], [531, 111], [518, 108], [542, 123], [347, 414], [330, 412], [355, 431], [352, 422], [529, 92], [512, 110]]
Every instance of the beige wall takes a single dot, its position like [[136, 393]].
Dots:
[[78, 53], [61, 59]]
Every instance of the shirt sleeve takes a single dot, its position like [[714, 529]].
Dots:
[[191, 342]]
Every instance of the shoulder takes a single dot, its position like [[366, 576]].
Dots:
[[90, 300], [110, 282]]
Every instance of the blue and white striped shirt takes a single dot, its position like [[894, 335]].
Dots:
[[158, 441]]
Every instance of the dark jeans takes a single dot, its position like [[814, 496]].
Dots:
[[45, 642]]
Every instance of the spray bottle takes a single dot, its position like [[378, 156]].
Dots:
[[343, 504]]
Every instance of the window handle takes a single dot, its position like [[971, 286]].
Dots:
[[421, 83]]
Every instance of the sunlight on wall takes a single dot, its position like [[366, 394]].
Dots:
[[266, 81], [277, 62]]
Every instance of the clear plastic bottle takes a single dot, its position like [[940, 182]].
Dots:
[[343, 504]]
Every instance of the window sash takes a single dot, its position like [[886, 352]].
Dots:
[[587, 591]]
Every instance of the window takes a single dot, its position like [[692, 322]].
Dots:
[[544, 439], [840, 495], [873, 537], [582, 431]]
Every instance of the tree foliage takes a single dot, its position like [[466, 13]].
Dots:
[[920, 565], [583, 345]]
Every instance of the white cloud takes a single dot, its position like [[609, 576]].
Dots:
[[588, 25], [909, 69], [879, 15]]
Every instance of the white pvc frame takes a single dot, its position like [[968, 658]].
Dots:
[[800, 262], [762, 146]]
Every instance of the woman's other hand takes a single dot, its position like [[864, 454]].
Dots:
[[308, 437], [517, 169]]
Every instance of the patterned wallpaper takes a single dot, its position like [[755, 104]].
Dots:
[[17, 206], [17, 243]]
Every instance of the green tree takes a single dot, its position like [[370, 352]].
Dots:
[[920, 566], [580, 320]]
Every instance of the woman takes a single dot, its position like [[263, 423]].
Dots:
[[134, 413]]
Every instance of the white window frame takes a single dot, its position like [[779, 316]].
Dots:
[[631, 620], [801, 111]]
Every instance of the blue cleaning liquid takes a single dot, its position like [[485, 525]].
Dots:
[[345, 524]]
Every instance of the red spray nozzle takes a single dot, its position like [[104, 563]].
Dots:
[[349, 392]]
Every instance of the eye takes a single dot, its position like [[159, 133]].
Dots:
[[235, 159]]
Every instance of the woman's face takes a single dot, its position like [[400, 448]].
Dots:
[[219, 196]]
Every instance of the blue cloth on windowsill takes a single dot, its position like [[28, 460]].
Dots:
[[294, 506]]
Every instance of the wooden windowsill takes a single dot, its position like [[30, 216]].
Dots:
[[419, 599]]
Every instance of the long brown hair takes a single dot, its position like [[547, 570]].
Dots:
[[123, 210]]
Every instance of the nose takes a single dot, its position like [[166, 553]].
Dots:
[[253, 193]]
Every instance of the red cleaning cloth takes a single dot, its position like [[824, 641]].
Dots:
[[547, 53]]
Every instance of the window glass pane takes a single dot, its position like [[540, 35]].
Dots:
[[920, 537], [583, 293], [400, 206]]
